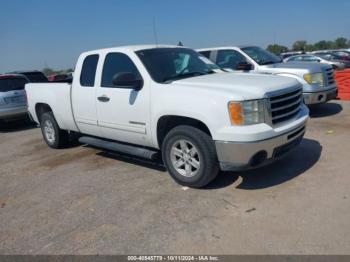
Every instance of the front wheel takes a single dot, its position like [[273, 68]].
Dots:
[[53, 135], [190, 157]]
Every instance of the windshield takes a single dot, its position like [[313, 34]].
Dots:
[[10, 84], [261, 56], [168, 64]]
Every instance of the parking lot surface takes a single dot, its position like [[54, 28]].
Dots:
[[82, 200]]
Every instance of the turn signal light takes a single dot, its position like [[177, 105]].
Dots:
[[236, 113]]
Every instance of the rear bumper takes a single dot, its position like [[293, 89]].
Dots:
[[235, 156], [320, 97], [13, 112]]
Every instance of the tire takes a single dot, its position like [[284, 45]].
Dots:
[[190, 157], [53, 135], [2, 123]]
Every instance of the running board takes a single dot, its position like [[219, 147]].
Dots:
[[119, 147]]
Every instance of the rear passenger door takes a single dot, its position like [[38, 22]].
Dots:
[[84, 95]]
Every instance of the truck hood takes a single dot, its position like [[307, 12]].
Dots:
[[296, 68], [241, 85]]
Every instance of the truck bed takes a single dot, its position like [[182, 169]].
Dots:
[[55, 95]]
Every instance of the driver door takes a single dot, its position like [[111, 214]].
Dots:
[[122, 112]]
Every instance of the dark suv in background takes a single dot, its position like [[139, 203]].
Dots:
[[32, 76]]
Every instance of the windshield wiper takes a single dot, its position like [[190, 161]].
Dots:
[[211, 71], [185, 75]]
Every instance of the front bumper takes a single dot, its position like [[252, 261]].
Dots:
[[13, 112], [235, 156], [319, 97]]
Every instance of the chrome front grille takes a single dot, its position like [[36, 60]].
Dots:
[[285, 106], [329, 76]]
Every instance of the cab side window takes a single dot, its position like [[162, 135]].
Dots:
[[206, 54], [229, 59], [310, 58], [88, 71], [295, 58], [117, 63]]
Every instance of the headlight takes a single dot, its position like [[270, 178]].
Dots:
[[316, 78], [247, 112]]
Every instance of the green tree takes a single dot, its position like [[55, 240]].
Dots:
[[299, 45], [340, 42], [48, 71], [324, 45], [321, 45], [330, 45], [277, 49], [309, 48]]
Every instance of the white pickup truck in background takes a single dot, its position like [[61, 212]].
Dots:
[[317, 79], [141, 100]]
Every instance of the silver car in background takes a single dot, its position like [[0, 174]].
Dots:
[[318, 81], [315, 59], [13, 102]]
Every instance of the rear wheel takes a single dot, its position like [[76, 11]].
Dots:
[[2, 123], [53, 135], [190, 156]]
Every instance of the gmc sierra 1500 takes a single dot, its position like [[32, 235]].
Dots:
[[142, 100]]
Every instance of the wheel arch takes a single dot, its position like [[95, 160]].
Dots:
[[40, 109], [167, 122]]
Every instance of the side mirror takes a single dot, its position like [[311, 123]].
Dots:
[[127, 80], [244, 66]]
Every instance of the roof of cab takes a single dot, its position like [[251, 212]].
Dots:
[[225, 47], [134, 48]]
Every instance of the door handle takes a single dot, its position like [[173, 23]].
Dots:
[[103, 98]]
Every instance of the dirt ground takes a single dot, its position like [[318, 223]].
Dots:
[[81, 200]]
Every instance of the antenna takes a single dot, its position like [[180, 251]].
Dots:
[[155, 31]]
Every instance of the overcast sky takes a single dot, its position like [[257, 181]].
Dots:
[[36, 34]]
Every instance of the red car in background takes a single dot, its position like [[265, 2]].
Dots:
[[61, 78]]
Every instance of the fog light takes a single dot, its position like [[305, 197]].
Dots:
[[258, 158]]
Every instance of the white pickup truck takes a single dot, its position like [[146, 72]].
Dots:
[[317, 79], [142, 100]]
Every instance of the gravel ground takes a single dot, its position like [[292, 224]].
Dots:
[[81, 200]]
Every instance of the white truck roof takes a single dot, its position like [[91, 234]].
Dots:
[[134, 48], [224, 47]]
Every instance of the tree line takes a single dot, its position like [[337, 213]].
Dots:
[[49, 71], [302, 45]]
